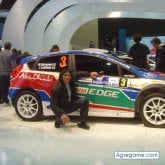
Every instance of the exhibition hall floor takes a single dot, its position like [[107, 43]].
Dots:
[[39, 143]]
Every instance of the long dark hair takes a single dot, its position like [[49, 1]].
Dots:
[[72, 84], [60, 80]]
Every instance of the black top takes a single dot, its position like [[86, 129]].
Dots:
[[139, 53], [160, 59], [60, 100]]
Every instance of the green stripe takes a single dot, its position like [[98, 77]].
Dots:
[[105, 95]]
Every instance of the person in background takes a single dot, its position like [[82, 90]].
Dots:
[[160, 54], [91, 44], [21, 56], [139, 52], [54, 48], [160, 59], [64, 99], [155, 42], [15, 55], [0, 80], [6, 66]]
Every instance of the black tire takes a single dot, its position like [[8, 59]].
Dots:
[[28, 106], [152, 110]]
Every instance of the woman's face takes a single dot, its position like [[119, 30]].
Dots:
[[66, 77], [155, 45]]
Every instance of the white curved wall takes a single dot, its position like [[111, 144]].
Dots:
[[15, 23], [74, 17], [62, 28], [38, 24]]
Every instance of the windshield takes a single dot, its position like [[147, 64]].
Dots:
[[126, 60]]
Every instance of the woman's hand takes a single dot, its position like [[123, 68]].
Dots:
[[94, 74], [65, 119]]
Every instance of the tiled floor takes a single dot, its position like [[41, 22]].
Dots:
[[39, 143]]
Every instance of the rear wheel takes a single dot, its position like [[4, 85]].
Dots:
[[153, 110], [28, 106]]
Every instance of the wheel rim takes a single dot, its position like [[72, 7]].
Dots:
[[154, 111], [27, 106]]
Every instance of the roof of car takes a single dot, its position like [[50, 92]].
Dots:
[[138, 71], [69, 52]]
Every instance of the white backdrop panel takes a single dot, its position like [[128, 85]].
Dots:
[[34, 33], [15, 23], [63, 27], [66, 23]]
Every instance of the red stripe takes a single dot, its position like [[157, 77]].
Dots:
[[110, 107]]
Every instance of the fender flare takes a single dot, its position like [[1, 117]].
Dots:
[[154, 88]]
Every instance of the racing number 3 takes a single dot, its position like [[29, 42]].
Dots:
[[63, 61], [123, 82]]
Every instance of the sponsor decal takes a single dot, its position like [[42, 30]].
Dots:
[[106, 93], [150, 75], [48, 66], [101, 80], [82, 90], [98, 92], [36, 76], [113, 82], [106, 80]]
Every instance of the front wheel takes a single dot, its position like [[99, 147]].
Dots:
[[153, 110], [28, 106]]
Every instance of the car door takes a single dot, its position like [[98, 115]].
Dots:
[[106, 93], [45, 72]]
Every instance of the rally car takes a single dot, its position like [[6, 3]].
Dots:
[[121, 90]]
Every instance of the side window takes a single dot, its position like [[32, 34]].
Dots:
[[91, 63], [51, 64]]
